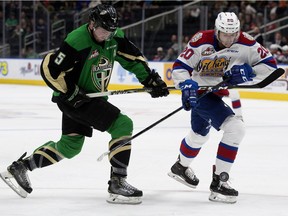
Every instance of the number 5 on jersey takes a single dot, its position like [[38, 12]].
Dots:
[[59, 58]]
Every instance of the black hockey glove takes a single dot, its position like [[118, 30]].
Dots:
[[158, 86], [75, 98]]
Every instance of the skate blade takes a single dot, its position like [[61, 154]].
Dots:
[[119, 199], [11, 182], [179, 179], [217, 197]]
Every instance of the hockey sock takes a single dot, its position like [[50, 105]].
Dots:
[[120, 130], [188, 152], [234, 131], [190, 147], [226, 155], [236, 102], [51, 152], [119, 158]]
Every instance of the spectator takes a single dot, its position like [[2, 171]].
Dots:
[[41, 27], [284, 57], [173, 43], [279, 39], [171, 55], [185, 41], [10, 23], [14, 41], [275, 50], [248, 22], [160, 54], [30, 53], [259, 20], [273, 17], [257, 35]]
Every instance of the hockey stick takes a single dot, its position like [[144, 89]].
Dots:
[[126, 91], [139, 133], [268, 80], [224, 85]]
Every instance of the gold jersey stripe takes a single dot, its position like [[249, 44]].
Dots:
[[131, 57], [58, 83]]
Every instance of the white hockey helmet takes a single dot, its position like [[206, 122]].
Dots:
[[227, 22]]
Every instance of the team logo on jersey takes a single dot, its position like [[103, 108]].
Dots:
[[94, 54], [197, 36], [101, 74], [213, 67], [208, 51]]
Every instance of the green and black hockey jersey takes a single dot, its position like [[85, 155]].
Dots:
[[82, 61]]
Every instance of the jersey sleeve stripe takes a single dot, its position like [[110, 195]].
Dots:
[[270, 62], [180, 65]]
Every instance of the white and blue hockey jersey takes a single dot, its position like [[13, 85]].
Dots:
[[205, 63]]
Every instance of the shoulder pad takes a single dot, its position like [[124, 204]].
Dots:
[[246, 39], [202, 37], [73, 38]]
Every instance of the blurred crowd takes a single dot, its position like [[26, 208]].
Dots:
[[252, 14]]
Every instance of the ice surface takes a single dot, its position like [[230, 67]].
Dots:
[[78, 186]]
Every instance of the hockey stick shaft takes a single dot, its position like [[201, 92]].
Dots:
[[272, 77], [209, 89], [139, 133], [125, 91]]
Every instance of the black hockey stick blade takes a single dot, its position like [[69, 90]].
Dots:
[[265, 82]]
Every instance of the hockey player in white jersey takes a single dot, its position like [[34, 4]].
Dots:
[[209, 57]]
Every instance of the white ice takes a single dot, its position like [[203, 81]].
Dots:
[[78, 186]]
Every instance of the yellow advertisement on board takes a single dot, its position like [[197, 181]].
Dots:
[[168, 74]]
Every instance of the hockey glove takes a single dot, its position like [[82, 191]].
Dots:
[[75, 98], [239, 74], [158, 86], [189, 94]]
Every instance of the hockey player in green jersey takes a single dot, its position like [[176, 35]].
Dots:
[[83, 64]]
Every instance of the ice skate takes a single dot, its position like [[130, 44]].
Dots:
[[16, 177], [120, 192], [184, 175], [221, 191]]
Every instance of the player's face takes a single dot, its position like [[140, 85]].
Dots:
[[227, 39], [100, 34]]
